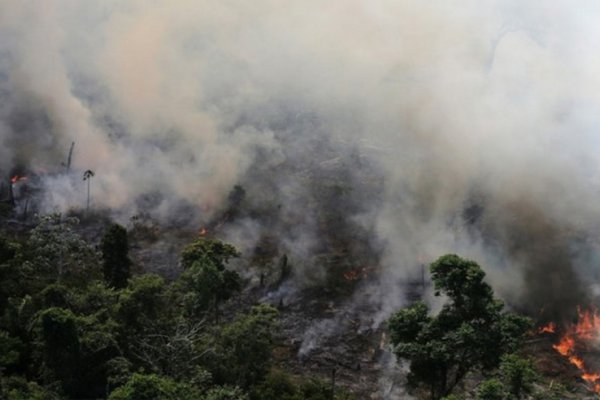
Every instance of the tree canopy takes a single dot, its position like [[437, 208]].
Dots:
[[116, 262], [470, 332]]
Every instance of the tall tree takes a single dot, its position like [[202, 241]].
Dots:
[[206, 276], [470, 332], [54, 251], [87, 176], [61, 347], [116, 262]]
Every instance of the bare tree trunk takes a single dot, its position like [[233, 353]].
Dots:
[[70, 157], [87, 207]]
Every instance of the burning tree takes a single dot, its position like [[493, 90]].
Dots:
[[470, 332]]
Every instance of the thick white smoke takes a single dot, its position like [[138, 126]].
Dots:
[[479, 119]]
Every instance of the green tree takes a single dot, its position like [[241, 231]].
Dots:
[[18, 388], [518, 375], [206, 278], [470, 332], [215, 251], [241, 352], [276, 386], [225, 393], [491, 389], [143, 306], [55, 252], [61, 347], [10, 348], [10, 272], [154, 387], [116, 262]]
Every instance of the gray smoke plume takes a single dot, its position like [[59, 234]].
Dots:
[[390, 132]]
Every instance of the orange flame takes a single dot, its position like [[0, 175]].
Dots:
[[576, 336], [550, 328], [203, 231]]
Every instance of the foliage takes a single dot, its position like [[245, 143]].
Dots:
[[280, 386], [491, 389], [154, 387], [276, 386], [518, 375], [175, 353], [66, 333], [242, 350], [10, 348], [211, 250], [61, 347], [142, 305], [116, 263], [206, 280], [55, 252], [470, 331], [225, 393], [18, 388]]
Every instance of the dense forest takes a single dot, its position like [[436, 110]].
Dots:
[[76, 323], [80, 321]]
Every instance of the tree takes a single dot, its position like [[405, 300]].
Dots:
[[61, 347], [241, 353], [175, 353], [208, 281], [54, 251], [116, 262], [18, 388], [225, 393], [518, 375], [491, 389], [10, 272], [10, 348], [470, 332], [204, 249], [142, 307], [154, 387], [87, 176]]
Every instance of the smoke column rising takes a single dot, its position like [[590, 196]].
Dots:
[[478, 119]]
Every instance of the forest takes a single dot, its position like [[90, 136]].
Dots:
[[286, 200], [80, 321]]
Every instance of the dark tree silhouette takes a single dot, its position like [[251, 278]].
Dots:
[[87, 176], [117, 264]]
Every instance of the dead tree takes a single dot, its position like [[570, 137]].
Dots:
[[70, 157]]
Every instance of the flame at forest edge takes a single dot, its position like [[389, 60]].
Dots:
[[577, 337]]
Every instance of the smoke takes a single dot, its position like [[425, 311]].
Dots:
[[389, 132]]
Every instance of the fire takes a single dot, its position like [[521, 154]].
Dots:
[[578, 336], [17, 178], [550, 328], [203, 231], [356, 274]]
